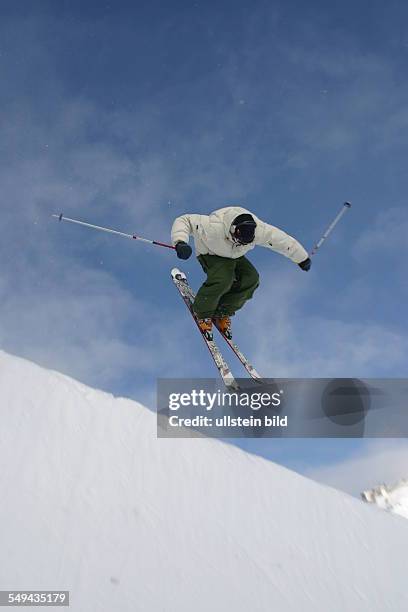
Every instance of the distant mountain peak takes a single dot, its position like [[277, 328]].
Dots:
[[392, 498]]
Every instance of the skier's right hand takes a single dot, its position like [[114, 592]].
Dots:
[[183, 250], [306, 264]]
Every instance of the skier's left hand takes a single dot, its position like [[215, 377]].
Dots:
[[306, 264], [183, 250]]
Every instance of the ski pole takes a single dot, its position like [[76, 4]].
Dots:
[[345, 208], [112, 231]]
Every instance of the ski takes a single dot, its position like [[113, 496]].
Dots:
[[245, 362], [180, 280]]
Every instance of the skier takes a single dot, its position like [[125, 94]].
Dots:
[[221, 241]]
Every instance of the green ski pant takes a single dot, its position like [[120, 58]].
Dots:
[[230, 283]]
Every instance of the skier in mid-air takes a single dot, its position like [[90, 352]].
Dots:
[[221, 241]]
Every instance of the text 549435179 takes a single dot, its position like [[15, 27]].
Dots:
[[34, 598]]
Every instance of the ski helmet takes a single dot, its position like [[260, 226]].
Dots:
[[243, 229]]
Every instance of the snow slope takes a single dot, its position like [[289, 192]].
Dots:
[[93, 502]]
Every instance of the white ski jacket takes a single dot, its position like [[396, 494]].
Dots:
[[212, 235]]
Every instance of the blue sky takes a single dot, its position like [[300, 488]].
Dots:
[[129, 114]]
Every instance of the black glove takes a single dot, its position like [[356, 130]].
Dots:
[[183, 250], [306, 264]]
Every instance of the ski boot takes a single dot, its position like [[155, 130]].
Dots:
[[224, 325], [205, 326]]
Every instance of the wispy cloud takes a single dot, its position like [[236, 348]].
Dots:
[[379, 461], [82, 322], [292, 340], [386, 236]]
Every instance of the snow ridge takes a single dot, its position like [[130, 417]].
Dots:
[[95, 503]]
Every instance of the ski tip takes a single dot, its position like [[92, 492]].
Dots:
[[347, 204], [176, 273]]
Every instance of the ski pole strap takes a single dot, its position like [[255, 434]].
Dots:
[[163, 244]]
